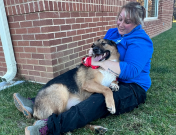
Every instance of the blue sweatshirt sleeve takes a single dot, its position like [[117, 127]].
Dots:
[[137, 57]]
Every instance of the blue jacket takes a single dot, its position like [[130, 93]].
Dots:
[[135, 50]]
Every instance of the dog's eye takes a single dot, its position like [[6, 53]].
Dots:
[[103, 43], [93, 45]]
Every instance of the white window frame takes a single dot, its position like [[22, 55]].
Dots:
[[146, 7]]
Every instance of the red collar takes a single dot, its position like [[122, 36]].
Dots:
[[86, 61]]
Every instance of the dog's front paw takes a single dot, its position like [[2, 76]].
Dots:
[[110, 105], [114, 86]]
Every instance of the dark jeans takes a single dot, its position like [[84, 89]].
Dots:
[[126, 99]]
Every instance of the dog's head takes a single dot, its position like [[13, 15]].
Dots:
[[104, 49]]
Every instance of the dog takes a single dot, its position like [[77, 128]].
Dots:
[[76, 85]]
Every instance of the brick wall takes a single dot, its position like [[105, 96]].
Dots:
[[51, 37]]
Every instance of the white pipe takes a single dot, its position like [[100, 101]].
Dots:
[[7, 45]]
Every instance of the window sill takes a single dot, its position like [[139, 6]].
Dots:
[[150, 19]]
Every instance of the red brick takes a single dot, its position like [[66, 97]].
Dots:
[[28, 37], [84, 25], [59, 6], [19, 49], [35, 73], [61, 47], [18, 9], [76, 26], [35, 43], [51, 5], [43, 22], [70, 63], [85, 36], [33, 30], [63, 6], [14, 10], [66, 40], [82, 31], [30, 67], [32, 16], [20, 61], [14, 25], [76, 38], [82, 53], [65, 27], [31, 7], [30, 49], [23, 43], [55, 42], [64, 14], [19, 18], [29, 77], [60, 34], [38, 56], [80, 43], [78, 49], [49, 69], [45, 62], [13, 31], [41, 79], [67, 52], [22, 8], [44, 36], [55, 6], [32, 62], [80, 20], [36, 6], [46, 5], [75, 14], [10, 12], [21, 31], [16, 37], [63, 59], [10, 18], [47, 75], [58, 21], [65, 70], [70, 21], [59, 54], [41, 7], [44, 15], [43, 50], [50, 29], [26, 24], [40, 68], [26, 8], [71, 33], [48, 56], [92, 24], [86, 46], [26, 55]]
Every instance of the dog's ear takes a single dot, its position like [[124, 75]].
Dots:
[[98, 40], [113, 43]]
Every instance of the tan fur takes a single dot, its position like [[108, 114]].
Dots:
[[54, 98]]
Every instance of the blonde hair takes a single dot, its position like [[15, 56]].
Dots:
[[135, 11]]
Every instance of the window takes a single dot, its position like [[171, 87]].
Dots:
[[151, 7]]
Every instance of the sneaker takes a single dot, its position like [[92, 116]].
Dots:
[[23, 105], [38, 128]]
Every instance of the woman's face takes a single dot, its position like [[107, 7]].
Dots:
[[124, 24]]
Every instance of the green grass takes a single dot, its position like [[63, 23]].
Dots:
[[155, 117]]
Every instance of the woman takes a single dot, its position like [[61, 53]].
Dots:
[[135, 48]]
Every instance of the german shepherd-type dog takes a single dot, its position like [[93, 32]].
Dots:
[[76, 85]]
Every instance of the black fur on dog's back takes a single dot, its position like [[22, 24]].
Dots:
[[67, 79]]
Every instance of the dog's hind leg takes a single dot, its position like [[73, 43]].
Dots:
[[53, 99], [97, 129]]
